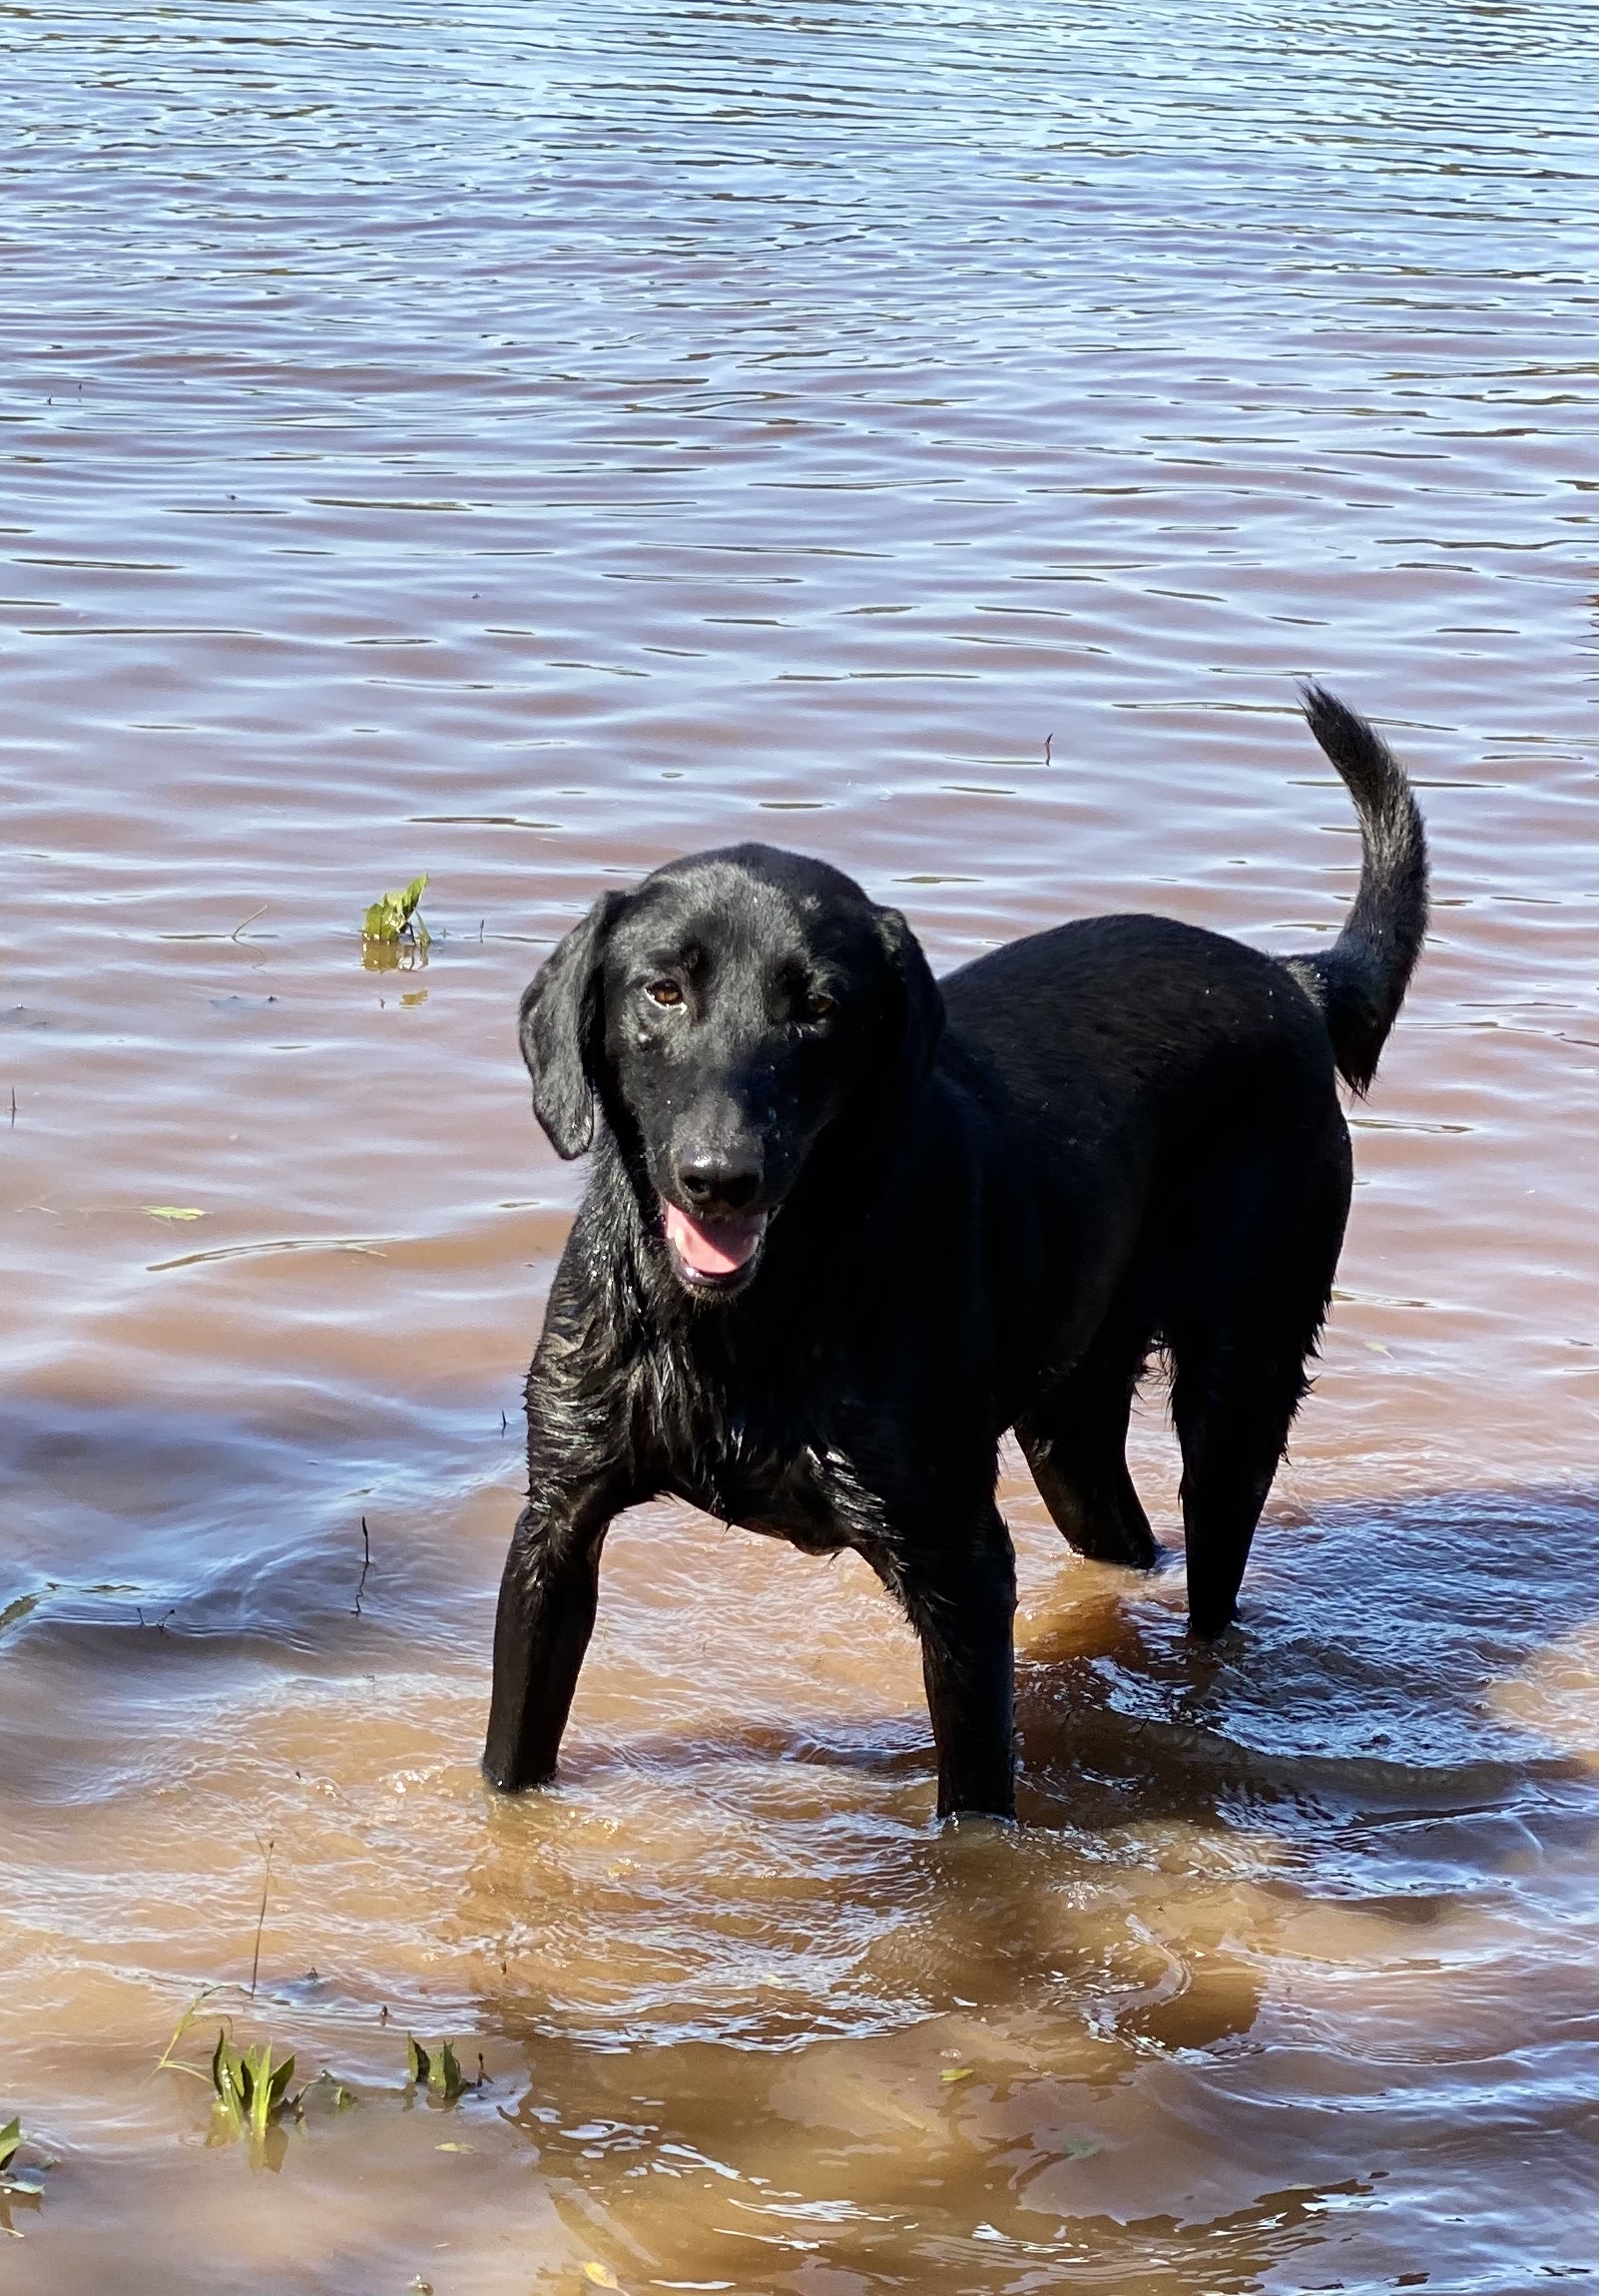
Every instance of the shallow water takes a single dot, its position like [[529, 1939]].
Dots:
[[530, 442]]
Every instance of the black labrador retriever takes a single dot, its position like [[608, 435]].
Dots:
[[847, 1224]]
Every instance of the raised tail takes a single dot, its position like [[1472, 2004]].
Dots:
[[1360, 982]]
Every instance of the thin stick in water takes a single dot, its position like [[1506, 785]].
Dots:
[[366, 1564], [260, 1918]]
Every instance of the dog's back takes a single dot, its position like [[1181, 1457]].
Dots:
[[1153, 1009]]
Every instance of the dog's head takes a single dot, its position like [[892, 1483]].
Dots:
[[726, 1013]]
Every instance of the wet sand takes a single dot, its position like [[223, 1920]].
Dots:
[[530, 445]]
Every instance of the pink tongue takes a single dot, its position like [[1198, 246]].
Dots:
[[717, 1247]]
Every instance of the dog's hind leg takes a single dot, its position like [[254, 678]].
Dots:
[[1074, 1440], [1233, 1408], [1246, 1308]]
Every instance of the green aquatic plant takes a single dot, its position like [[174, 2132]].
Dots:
[[394, 931], [253, 2097], [439, 2073], [251, 2091], [250, 2095], [13, 2187]]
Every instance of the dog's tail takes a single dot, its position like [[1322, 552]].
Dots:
[[1360, 982]]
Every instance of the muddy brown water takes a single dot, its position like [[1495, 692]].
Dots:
[[523, 443]]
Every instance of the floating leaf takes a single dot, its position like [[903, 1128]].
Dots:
[[452, 2149], [957, 2073], [600, 2275], [1080, 2149], [10, 2144], [418, 2062], [173, 1212]]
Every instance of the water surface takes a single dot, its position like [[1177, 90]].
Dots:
[[523, 443]]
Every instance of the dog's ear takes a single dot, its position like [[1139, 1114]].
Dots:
[[922, 1003], [560, 1026]]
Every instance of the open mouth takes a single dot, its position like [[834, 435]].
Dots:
[[714, 1255]]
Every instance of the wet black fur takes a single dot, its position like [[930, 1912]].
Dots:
[[991, 1198]]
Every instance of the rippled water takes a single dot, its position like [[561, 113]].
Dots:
[[526, 442]]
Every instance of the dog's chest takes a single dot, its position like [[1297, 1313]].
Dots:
[[776, 1462]]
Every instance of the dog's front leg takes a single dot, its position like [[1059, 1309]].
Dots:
[[548, 1598], [961, 1598]]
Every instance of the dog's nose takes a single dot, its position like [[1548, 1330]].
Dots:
[[715, 1182]]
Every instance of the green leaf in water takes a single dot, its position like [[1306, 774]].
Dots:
[[20, 1609], [253, 2095], [439, 2070], [394, 916], [166, 2062], [274, 2091], [227, 2080]]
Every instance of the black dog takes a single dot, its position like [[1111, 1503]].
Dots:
[[846, 1225]]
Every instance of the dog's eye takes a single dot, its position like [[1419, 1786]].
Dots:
[[664, 992], [820, 1006]]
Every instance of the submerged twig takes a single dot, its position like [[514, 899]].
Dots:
[[366, 1564]]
